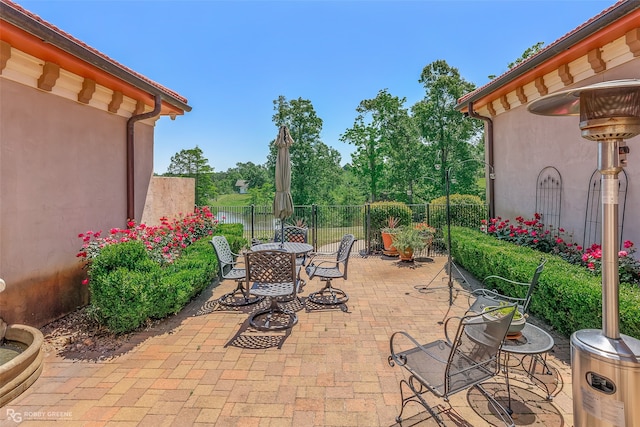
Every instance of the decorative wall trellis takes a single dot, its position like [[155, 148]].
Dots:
[[549, 196], [593, 214]]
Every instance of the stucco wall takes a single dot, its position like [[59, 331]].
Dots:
[[169, 197], [62, 172], [525, 143]]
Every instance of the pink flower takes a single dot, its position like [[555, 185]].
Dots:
[[85, 282], [628, 244], [623, 254], [559, 240], [591, 266]]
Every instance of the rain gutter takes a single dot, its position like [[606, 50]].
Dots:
[[489, 131], [554, 49], [131, 212]]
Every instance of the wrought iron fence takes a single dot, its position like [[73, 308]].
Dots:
[[327, 224]]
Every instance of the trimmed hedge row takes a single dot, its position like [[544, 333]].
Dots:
[[568, 296], [128, 288]]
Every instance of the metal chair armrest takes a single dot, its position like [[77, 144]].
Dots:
[[492, 293], [495, 295], [446, 328], [505, 280], [313, 255], [313, 266], [398, 358]]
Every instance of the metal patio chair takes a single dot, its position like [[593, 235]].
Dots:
[[330, 266], [293, 233], [228, 269], [446, 367], [484, 297], [272, 274]]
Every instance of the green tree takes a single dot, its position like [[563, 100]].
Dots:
[[368, 159], [388, 150], [315, 167], [255, 175], [351, 191], [448, 135], [525, 55], [191, 163], [262, 195]]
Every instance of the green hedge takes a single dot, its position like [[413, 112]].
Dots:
[[128, 288], [568, 296], [466, 211], [381, 211]]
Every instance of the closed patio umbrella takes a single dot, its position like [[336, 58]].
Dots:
[[282, 203]]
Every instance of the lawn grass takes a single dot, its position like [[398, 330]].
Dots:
[[233, 199]]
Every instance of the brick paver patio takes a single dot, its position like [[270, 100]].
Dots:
[[331, 369]]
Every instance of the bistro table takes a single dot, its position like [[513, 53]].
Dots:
[[530, 345], [300, 249], [295, 247]]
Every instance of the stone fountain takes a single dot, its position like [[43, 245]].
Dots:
[[20, 357]]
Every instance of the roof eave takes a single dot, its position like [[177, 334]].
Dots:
[[48, 35], [562, 45]]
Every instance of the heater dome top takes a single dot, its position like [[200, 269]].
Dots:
[[567, 102]]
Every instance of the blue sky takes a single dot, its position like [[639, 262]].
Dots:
[[231, 59]]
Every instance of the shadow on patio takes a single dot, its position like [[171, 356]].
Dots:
[[330, 370]]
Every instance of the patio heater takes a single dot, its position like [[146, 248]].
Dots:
[[605, 364]]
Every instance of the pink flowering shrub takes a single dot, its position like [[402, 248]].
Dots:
[[164, 242], [628, 266], [532, 233]]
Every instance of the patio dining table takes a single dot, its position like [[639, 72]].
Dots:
[[294, 247]]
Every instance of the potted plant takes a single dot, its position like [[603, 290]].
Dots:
[[426, 231], [298, 222], [517, 323], [392, 227], [407, 241]]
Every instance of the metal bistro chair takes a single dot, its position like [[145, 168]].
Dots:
[[272, 274], [446, 367], [293, 234], [486, 297], [227, 269], [321, 266]]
